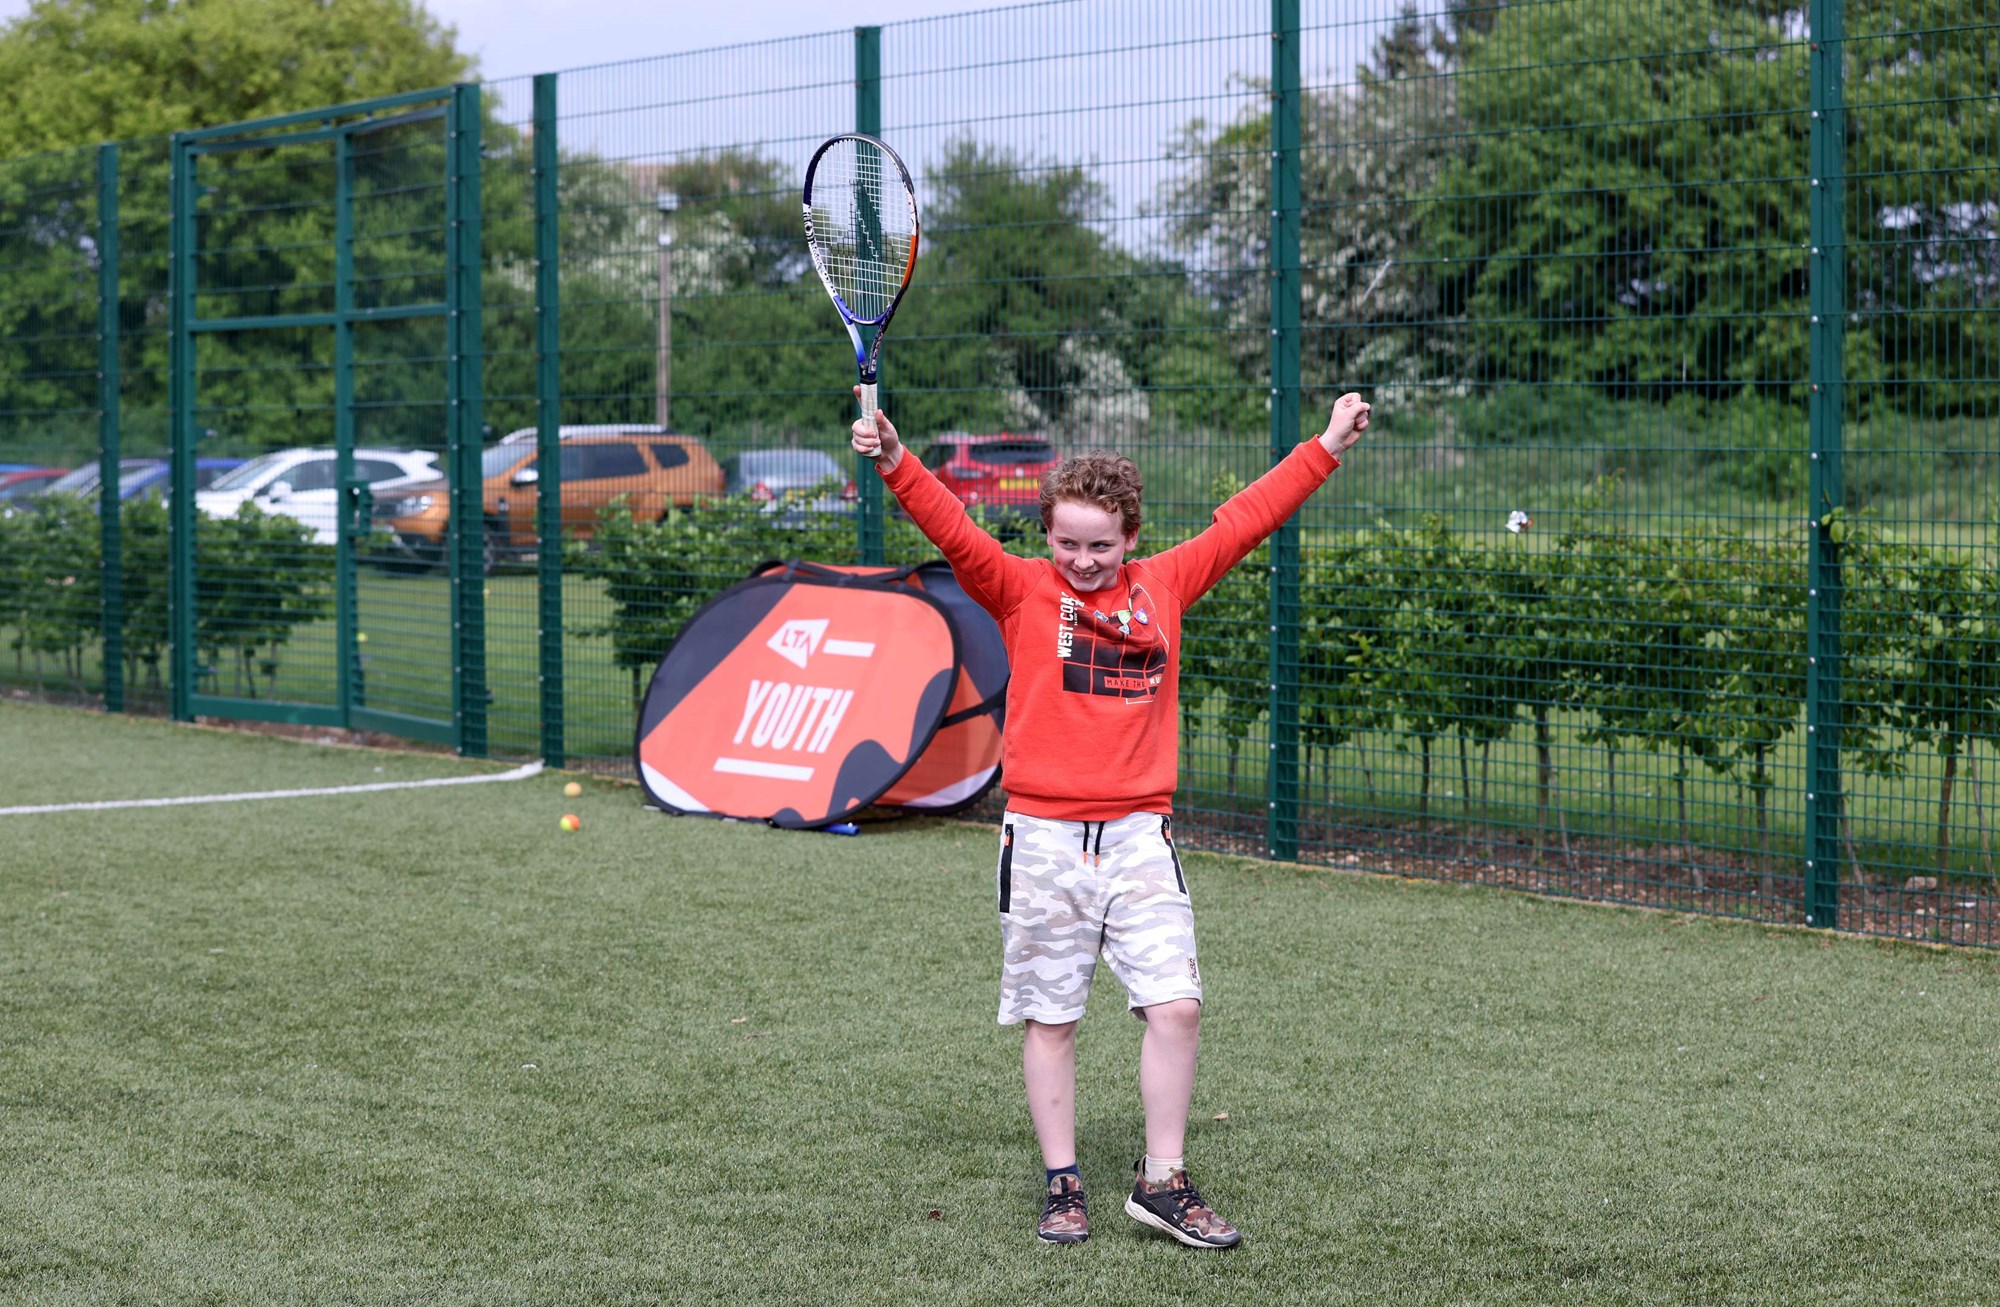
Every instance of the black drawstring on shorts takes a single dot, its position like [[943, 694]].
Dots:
[[1093, 857]]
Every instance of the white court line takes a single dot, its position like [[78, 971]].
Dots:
[[518, 774]]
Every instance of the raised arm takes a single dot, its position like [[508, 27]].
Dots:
[[995, 579], [1254, 512]]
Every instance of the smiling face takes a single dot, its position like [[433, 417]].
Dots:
[[1088, 543]]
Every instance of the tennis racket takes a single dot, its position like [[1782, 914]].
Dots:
[[861, 226]]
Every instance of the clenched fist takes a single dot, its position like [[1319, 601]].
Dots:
[[875, 437], [1349, 420]]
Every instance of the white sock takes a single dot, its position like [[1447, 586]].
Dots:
[[1159, 1168]]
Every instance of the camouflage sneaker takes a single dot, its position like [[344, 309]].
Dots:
[[1175, 1206], [1065, 1219]]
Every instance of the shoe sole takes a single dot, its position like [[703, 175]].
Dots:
[[1062, 1242], [1145, 1217]]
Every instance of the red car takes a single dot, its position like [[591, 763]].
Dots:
[[1002, 471]]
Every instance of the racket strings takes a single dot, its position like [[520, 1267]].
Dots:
[[864, 225]]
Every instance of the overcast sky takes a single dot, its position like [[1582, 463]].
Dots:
[[512, 37], [535, 36]]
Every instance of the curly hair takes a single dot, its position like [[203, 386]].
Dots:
[[1101, 478]]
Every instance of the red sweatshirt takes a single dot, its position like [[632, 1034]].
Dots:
[[1093, 706]]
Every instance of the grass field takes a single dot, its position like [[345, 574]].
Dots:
[[421, 1046]]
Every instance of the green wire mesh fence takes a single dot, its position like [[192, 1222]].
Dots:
[[1666, 574]]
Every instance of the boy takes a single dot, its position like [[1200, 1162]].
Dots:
[[1090, 756]]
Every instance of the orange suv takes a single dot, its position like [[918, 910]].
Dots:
[[651, 469]]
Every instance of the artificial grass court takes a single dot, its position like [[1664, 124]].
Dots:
[[423, 1046]]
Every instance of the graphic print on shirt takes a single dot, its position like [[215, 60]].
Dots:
[[1117, 653]]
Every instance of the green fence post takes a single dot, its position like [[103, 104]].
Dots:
[[548, 417], [1282, 777], [868, 118], [112, 577], [466, 430], [180, 392], [1826, 299], [353, 683]]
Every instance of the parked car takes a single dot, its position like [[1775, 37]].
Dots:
[[300, 484], [154, 480], [20, 483], [785, 480], [85, 480], [578, 430], [651, 469], [19, 489], [1001, 471], [137, 478]]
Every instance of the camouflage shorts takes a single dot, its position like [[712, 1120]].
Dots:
[[1070, 890]]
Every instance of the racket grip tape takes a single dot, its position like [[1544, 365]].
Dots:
[[868, 408]]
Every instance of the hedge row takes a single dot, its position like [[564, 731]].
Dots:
[[1689, 646], [261, 580]]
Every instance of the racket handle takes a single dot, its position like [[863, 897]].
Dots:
[[869, 408]]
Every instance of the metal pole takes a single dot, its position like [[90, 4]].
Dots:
[[352, 678], [1282, 778], [663, 406], [465, 387], [111, 584], [871, 506], [1826, 270], [548, 418], [180, 398]]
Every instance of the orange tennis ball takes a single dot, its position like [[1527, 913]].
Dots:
[[571, 821], [572, 789]]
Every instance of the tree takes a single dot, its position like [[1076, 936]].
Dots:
[[1946, 670], [756, 350], [1024, 313], [1636, 213], [145, 586], [1756, 704], [1417, 672], [1370, 300], [76, 72], [1217, 662], [1599, 241], [1922, 222], [261, 579], [1342, 603], [48, 308], [1586, 581], [49, 584], [1679, 590]]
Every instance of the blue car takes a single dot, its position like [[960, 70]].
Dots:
[[139, 476], [153, 481]]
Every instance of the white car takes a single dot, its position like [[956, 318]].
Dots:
[[300, 484]]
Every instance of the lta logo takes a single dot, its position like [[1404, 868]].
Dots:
[[798, 640]]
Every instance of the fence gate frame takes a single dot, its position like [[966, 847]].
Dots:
[[459, 107]]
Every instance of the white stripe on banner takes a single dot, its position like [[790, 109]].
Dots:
[[849, 648], [776, 771], [518, 774]]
